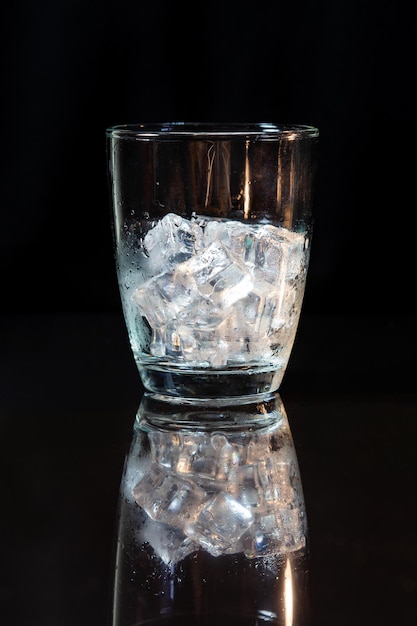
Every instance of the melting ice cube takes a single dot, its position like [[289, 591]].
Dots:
[[222, 292], [171, 241]]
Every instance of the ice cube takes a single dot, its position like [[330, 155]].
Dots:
[[263, 538], [217, 458], [169, 543], [243, 484], [227, 292], [200, 345], [277, 530], [165, 448], [191, 444], [220, 524], [163, 297], [172, 240], [168, 498], [275, 481], [215, 271], [231, 285], [283, 254], [293, 527]]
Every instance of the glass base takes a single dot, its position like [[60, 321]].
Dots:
[[198, 383]]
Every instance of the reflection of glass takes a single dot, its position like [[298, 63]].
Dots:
[[212, 523], [212, 228]]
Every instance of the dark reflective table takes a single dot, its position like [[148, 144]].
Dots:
[[69, 392]]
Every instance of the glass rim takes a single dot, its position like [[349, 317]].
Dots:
[[211, 130]]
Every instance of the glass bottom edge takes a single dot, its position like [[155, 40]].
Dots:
[[194, 384]]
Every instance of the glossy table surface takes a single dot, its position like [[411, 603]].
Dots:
[[69, 391]]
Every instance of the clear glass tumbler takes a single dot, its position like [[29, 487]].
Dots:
[[212, 230]]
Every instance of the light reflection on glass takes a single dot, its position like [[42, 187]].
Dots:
[[246, 199], [288, 595]]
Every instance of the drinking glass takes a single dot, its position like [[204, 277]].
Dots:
[[212, 230]]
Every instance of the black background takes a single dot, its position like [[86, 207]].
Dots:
[[69, 388], [70, 69]]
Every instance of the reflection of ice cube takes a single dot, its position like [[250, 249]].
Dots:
[[293, 527], [169, 543], [189, 450], [220, 524], [244, 486], [277, 530], [275, 481], [263, 537], [149, 483], [222, 492], [168, 498], [134, 471], [216, 459], [165, 448]]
